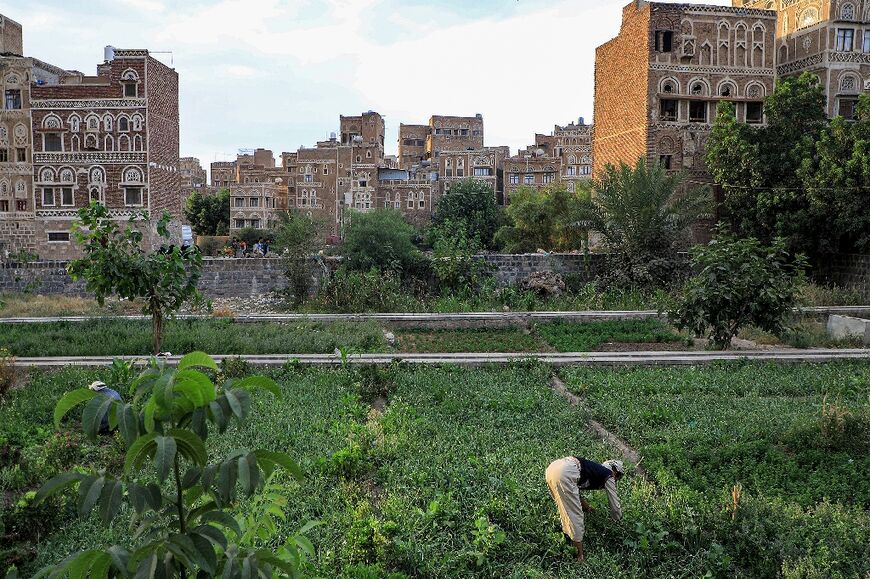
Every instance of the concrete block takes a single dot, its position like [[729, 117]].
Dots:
[[840, 327]]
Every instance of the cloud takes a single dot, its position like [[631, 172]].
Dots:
[[239, 71], [144, 5]]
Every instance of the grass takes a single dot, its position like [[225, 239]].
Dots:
[[470, 340], [26, 305], [106, 337], [448, 481], [567, 337]]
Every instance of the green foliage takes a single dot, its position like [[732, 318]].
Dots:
[[799, 176], [568, 337], [185, 530], [644, 216], [115, 263], [739, 282], [296, 240], [208, 214], [251, 236], [369, 291], [380, 239], [8, 372], [453, 262], [471, 205], [108, 337], [542, 219]]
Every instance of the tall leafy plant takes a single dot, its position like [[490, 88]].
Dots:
[[181, 499], [474, 204], [208, 214], [115, 262]]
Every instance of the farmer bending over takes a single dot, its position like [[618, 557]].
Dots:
[[568, 476], [101, 388]]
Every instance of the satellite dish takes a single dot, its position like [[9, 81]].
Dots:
[[540, 152]]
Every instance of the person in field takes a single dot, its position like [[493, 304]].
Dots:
[[567, 477], [101, 388]]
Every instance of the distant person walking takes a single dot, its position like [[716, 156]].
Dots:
[[568, 476], [101, 388]]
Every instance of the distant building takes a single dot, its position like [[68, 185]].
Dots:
[[193, 176], [831, 39], [67, 139], [658, 83]]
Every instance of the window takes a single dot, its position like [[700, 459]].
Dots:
[[585, 170], [664, 41], [754, 113], [326, 170], [571, 171], [309, 178], [697, 111], [66, 197], [514, 179], [4, 155], [482, 171], [123, 124], [460, 172], [131, 89], [529, 179], [132, 195], [52, 142], [240, 223], [845, 39], [422, 203], [4, 206], [21, 205], [255, 223], [59, 236], [846, 108], [21, 155], [411, 201], [665, 161], [13, 99], [867, 41], [47, 197], [847, 12], [254, 202], [94, 195], [548, 177], [668, 109], [240, 202]]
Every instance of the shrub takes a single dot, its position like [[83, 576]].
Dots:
[[541, 220], [473, 205], [381, 240], [739, 282], [347, 291], [296, 239], [454, 263], [208, 214], [7, 372]]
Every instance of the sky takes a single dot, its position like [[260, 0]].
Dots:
[[278, 73]]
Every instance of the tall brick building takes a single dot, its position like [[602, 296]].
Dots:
[[657, 84], [830, 38], [192, 175], [70, 138]]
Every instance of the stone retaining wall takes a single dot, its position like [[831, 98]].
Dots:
[[253, 276]]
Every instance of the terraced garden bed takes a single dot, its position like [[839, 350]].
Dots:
[[438, 472]]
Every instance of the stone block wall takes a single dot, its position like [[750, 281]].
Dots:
[[512, 269], [846, 270]]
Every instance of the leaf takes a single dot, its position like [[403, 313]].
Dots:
[[93, 414], [191, 477], [280, 459], [69, 401], [235, 403], [205, 556], [110, 500], [213, 534], [128, 422], [120, 559], [147, 567], [164, 457], [200, 359], [227, 479], [258, 381], [57, 484], [89, 493], [142, 448], [195, 387], [223, 519], [189, 445]]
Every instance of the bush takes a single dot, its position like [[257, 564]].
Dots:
[[212, 246], [472, 204], [7, 372], [454, 263], [347, 291], [381, 240], [739, 282], [541, 220]]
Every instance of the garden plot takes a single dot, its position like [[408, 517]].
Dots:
[[444, 478]]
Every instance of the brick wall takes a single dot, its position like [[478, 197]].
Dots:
[[621, 102], [511, 269], [846, 270]]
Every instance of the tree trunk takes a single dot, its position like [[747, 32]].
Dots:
[[157, 328]]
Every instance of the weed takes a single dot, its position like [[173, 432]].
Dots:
[[8, 372]]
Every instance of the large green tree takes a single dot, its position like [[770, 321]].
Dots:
[[644, 216], [208, 214], [798, 176], [542, 219], [472, 205], [379, 239]]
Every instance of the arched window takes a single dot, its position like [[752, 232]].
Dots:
[[137, 122], [51, 122], [74, 123], [849, 84], [107, 124], [808, 17], [132, 175], [97, 175], [130, 82], [847, 12], [123, 143], [123, 124], [67, 176], [93, 123], [46, 175], [137, 143], [109, 143]]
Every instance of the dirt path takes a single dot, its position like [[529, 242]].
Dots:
[[596, 427]]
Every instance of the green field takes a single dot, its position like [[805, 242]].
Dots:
[[448, 480]]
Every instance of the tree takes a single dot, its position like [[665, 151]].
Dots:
[[116, 263], [208, 214], [799, 176], [296, 240], [739, 282], [182, 502], [644, 216], [454, 261], [473, 204], [542, 219], [379, 239]]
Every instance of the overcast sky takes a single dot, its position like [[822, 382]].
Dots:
[[277, 73]]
